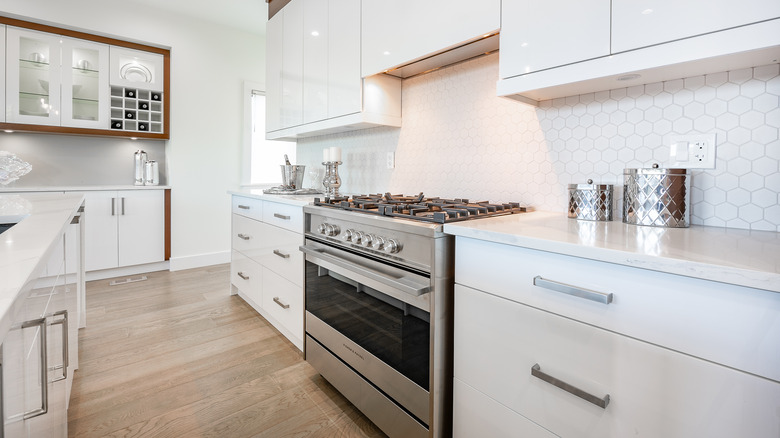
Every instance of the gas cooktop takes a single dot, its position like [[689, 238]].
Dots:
[[420, 207]]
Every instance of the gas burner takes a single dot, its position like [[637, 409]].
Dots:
[[420, 208]]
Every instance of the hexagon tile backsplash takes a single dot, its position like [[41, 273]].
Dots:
[[459, 140]]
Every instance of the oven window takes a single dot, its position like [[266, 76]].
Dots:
[[395, 332]]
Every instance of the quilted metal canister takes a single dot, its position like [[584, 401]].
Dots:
[[657, 197], [590, 201]]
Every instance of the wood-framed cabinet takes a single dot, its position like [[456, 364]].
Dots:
[[62, 81]]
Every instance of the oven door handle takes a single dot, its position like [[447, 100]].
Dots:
[[403, 284]]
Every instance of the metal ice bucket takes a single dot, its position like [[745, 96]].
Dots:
[[657, 197], [292, 176]]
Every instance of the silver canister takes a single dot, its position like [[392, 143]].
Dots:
[[592, 202], [657, 197], [151, 173], [140, 162]]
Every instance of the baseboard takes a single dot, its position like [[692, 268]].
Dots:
[[200, 260], [126, 270]]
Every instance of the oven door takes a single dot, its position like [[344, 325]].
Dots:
[[374, 317]]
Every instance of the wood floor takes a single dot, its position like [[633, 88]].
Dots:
[[178, 356]]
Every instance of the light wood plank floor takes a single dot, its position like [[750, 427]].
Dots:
[[178, 356]]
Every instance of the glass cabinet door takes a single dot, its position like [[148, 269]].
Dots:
[[32, 77], [85, 89]]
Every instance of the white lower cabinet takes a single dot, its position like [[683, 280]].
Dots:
[[582, 348], [266, 266], [124, 228]]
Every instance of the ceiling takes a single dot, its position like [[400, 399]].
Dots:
[[246, 15]]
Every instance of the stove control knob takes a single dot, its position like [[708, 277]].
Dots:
[[321, 228], [392, 246], [332, 230], [368, 240], [349, 234], [379, 243], [359, 236]]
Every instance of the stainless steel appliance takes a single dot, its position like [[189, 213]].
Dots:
[[379, 287]]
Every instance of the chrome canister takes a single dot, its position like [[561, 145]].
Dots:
[[657, 197], [151, 173], [592, 202], [140, 162]]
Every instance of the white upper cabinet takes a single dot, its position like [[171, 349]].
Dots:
[[32, 77], [641, 23], [292, 64], [539, 35], [315, 60], [85, 91], [397, 32], [274, 56], [344, 85]]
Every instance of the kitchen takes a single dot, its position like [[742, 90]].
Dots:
[[457, 139]]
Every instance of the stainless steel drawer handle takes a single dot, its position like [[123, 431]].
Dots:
[[243, 207], [243, 236], [280, 303], [65, 364], [242, 275], [41, 324], [282, 216], [599, 297], [537, 372], [281, 254]]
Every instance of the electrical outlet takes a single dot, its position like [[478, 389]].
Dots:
[[391, 160], [692, 151]]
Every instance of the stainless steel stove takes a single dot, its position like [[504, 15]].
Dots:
[[379, 287]]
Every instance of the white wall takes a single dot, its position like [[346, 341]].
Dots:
[[209, 64]]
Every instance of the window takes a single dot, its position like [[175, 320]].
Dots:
[[264, 156]]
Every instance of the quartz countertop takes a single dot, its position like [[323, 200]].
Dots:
[[84, 188], [257, 193], [25, 247], [728, 255]]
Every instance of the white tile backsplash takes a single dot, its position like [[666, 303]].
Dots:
[[459, 140]]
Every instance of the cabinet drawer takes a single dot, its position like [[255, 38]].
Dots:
[[731, 325], [286, 216], [249, 207], [283, 300], [279, 253], [652, 391], [246, 275], [247, 235], [475, 414]]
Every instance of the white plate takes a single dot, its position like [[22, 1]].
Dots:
[[135, 73]]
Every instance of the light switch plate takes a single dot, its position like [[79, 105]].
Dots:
[[692, 151], [391, 160]]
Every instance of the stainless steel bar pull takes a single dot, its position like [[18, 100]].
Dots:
[[243, 207], [64, 323], [113, 206], [123, 206], [601, 402], [281, 254], [282, 216], [242, 275], [599, 297], [243, 236], [280, 303], [41, 324]]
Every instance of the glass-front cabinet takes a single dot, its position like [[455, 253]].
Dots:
[[85, 89], [32, 77]]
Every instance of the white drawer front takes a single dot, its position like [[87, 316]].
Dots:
[[248, 207], [732, 325], [247, 275], [279, 252], [654, 392], [477, 415], [283, 215], [283, 300], [247, 235]]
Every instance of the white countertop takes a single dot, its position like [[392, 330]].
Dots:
[[257, 193], [25, 247], [741, 257], [88, 188]]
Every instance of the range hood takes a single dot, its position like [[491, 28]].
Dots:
[[481, 46]]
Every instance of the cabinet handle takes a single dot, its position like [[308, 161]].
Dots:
[[280, 303], [243, 236], [243, 207], [245, 277], [281, 254], [123, 206], [41, 324], [64, 322], [567, 289], [537, 372], [282, 216], [113, 206]]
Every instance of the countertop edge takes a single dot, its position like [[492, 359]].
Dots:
[[84, 188], [299, 200]]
